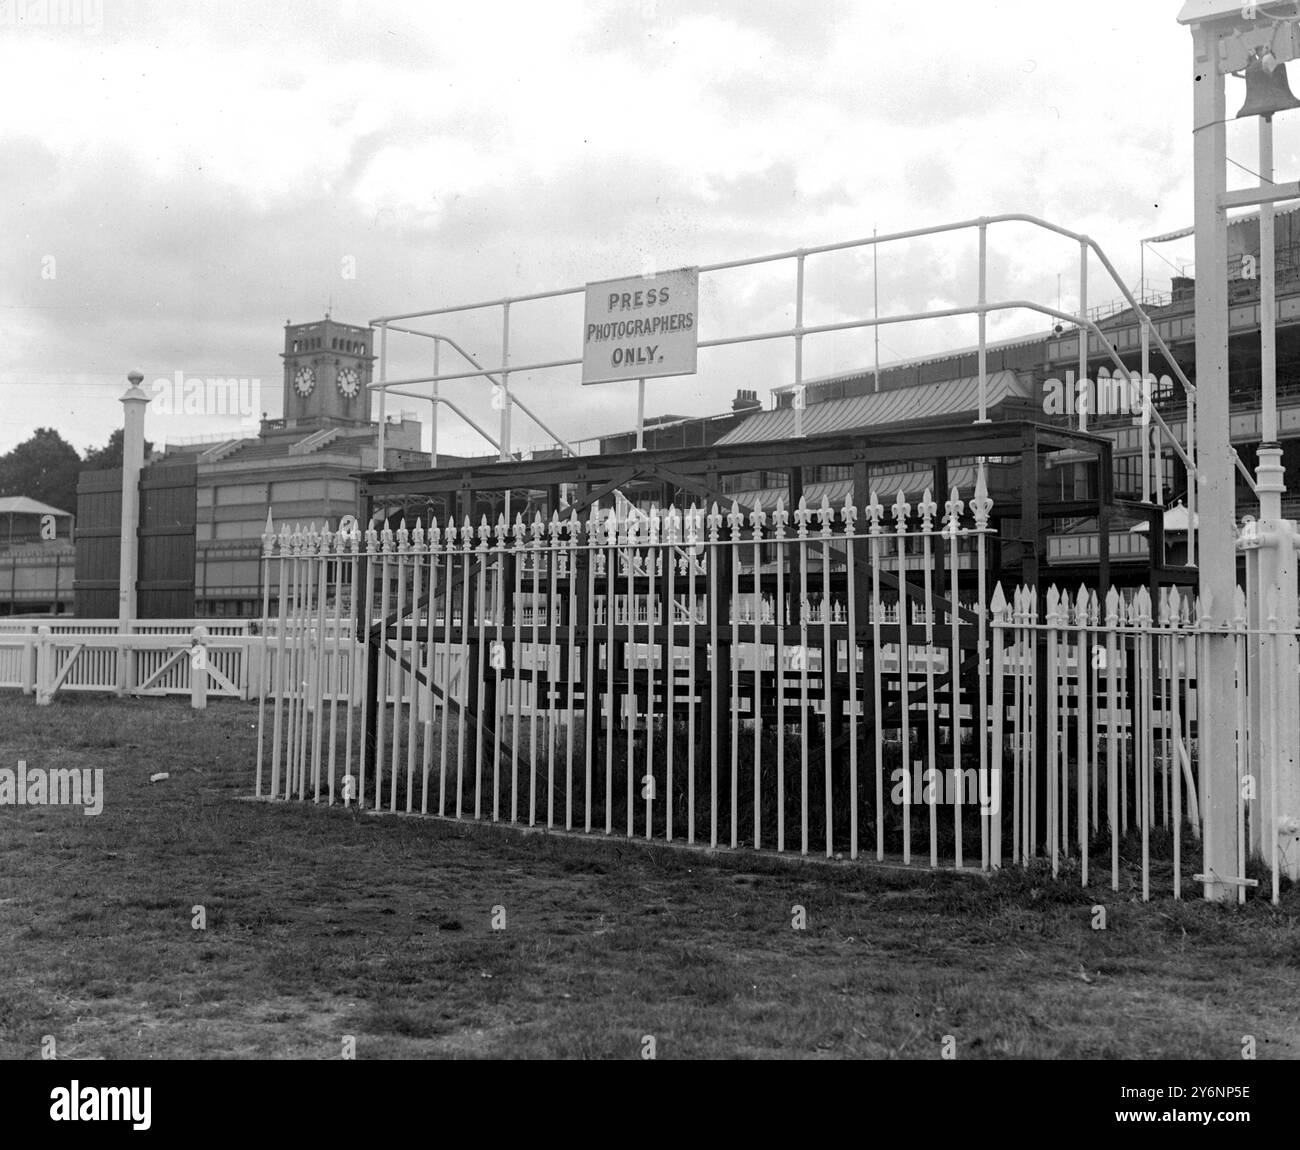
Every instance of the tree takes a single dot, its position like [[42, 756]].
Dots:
[[110, 455], [43, 467]]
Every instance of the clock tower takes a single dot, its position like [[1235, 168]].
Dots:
[[327, 365]]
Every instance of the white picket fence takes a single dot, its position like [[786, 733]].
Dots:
[[44, 657]]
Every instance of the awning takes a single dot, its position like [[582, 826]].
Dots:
[[886, 485], [21, 505]]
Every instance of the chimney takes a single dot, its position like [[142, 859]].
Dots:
[[746, 401], [1183, 289]]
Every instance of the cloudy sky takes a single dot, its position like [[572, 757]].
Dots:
[[179, 179]]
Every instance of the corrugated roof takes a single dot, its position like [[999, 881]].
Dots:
[[21, 505], [879, 409]]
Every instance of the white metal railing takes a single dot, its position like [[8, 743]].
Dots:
[[505, 400], [513, 693]]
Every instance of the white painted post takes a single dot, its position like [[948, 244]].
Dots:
[[1083, 395], [1276, 833], [1146, 421], [798, 398], [983, 326], [44, 666], [505, 385], [29, 680], [1215, 484], [875, 302], [199, 668], [381, 442], [433, 413], [134, 402], [640, 415]]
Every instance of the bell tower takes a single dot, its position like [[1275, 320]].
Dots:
[[327, 365]]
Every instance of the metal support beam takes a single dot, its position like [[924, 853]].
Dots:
[[1250, 197]]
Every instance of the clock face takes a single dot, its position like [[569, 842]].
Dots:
[[304, 380], [349, 382]]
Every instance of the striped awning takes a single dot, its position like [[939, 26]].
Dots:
[[912, 483]]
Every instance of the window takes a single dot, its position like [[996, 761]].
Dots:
[[1128, 476]]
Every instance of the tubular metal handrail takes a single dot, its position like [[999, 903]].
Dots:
[[500, 375]]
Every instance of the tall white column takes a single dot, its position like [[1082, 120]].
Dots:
[[134, 402], [1276, 832], [1216, 493]]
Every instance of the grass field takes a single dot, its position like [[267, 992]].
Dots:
[[323, 923]]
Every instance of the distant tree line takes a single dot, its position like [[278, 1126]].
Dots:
[[45, 467]]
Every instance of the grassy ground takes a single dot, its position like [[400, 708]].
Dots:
[[322, 923]]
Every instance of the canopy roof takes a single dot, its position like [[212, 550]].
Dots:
[[931, 401], [21, 505]]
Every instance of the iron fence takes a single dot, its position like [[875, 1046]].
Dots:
[[792, 680]]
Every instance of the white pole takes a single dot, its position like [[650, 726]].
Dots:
[[504, 436], [383, 393], [198, 668], [875, 299], [798, 349], [1267, 303], [433, 415], [1216, 501], [1146, 421], [1280, 791], [134, 402], [1081, 384], [505, 381], [983, 318], [640, 415]]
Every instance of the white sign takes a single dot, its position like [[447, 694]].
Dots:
[[641, 327]]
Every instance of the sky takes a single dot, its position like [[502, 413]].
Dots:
[[178, 180]]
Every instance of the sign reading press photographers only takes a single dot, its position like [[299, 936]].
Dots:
[[641, 327]]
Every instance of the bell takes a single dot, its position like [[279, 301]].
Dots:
[[1266, 92]]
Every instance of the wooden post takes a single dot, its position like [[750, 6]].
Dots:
[[199, 668], [44, 666]]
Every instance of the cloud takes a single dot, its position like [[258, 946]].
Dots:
[[200, 173]]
